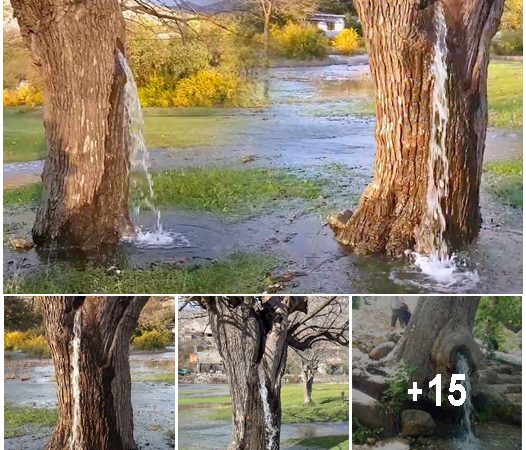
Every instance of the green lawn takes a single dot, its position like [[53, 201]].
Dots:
[[505, 94], [327, 407], [240, 274], [18, 419], [505, 181]]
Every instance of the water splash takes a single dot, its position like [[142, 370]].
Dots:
[[440, 265], [269, 427], [468, 440], [140, 161], [75, 379]]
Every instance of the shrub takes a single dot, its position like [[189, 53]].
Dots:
[[152, 340], [28, 342], [347, 42], [299, 41], [13, 339], [25, 94], [507, 43]]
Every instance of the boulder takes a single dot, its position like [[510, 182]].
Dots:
[[381, 351], [394, 336], [357, 355], [417, 423], [372, 413], [371, 384], [339, 220], [380, 339], [22, 243]]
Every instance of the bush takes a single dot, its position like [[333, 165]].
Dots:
[[28, 342], [25, 94], [299, 41], [507, 43], [153, 340], [347, 42]]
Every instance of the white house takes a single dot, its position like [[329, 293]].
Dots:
[[331, 24]]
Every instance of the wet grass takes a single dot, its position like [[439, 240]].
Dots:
[[219, 190], [329, 442], [505, 94], [328, 405], [163, 377], [505, 181], [239, 274], [18, 419]]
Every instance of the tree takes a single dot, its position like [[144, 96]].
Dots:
[[89, 340], [308, 362], [252, 335], [440, 329], [429, 65], [77, 50], [20, 314]]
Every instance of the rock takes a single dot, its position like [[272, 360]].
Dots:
[[371, 384], [380, 339], [22, 243], [394, 336], [357, 355], [339, 220], [372, 413], [417, 423], [247, 158], [381, 351], [487, 376]]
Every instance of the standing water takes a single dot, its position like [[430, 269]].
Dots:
[[467, 440], [75, 379], [440, 265], [140, 160]]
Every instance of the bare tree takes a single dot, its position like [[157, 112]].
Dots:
[[252, 335]]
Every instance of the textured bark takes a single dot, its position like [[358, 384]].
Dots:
[[439, 328], [393, 215], [307, 375], [75, 46], [104, 409]]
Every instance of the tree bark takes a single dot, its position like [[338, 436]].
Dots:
[[440, 328], [308, 381], [417, 197], [75, 47], [89, 340]]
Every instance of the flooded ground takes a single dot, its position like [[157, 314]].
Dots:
[[30, 383], [196, 431], [314, 128]]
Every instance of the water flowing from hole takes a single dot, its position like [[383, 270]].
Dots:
[[270, 428], [441, 266], [140, 161], [75, 379], [467, 440]]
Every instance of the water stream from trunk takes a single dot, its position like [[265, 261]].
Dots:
[[75, 379], [467, 439], [271, 430], [440, 265], [140, 161]]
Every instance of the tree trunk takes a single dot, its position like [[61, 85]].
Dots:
[[89, 340], [440, 328], [75, 47], [252, 341], [308, 381], [429, 65]]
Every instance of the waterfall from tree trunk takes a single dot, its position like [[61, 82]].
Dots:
[[269, 427], [467, 440], [140, 160], [76, 433]]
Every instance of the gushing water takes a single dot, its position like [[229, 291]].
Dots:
[[468, 440], [75, 379], [440, 265], [140, 160], [271, 430]]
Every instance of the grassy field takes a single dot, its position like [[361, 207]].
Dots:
[[220, 190], [505, 181], [195, 127], [18, 419], [327, 407], [240, 274]]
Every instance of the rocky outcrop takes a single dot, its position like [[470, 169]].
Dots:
[[381, 351], [372, 413], [417, 423]]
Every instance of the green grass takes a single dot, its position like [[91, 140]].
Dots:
[[240, 274], [329, 442], [220, 190], [18, 419], [327, 407], [505, 181], [163, 377], [505, 94]]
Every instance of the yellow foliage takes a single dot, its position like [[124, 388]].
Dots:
[[153, 340], [348, 41], [299, 41], [27, 342], [13, 339], [24, 95]]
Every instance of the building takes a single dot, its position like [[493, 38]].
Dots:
[[209, 362], [331, 24]]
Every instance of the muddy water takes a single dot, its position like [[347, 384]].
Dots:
[[196, 431], [312, 125], [153, 403]]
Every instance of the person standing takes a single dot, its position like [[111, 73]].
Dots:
[[396, 305]]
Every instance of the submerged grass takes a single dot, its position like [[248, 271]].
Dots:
[[17, 419], [505, 181], [220, 190], [239, 274], [328, 405], [330, 442]]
